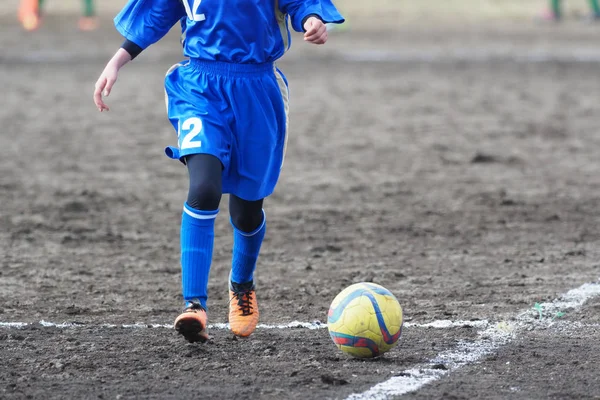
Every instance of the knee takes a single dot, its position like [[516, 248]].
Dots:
[[247, 221], [204, 195]]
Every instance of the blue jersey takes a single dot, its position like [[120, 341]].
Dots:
[[235, 31]]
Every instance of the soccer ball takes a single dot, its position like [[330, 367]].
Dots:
[[365, 320]]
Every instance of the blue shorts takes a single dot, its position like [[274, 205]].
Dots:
[[235, 112]]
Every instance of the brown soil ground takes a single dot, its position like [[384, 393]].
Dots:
[[456, 166]]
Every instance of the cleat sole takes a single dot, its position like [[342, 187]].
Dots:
[[191, 329]]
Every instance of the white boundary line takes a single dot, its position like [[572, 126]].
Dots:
[[488, 341], [139, 325], [446, 323], [438, 324], [490, 338]]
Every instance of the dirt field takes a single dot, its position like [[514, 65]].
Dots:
[[455, 165]]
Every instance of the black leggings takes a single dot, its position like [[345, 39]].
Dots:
[[206, 190]]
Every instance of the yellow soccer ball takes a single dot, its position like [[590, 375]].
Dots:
[[365, 320]]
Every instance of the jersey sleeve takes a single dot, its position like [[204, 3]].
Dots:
[[298, 10], [145, 22]]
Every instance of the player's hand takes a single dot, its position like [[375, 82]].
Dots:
[[108, 77], [316, 31], [104, 85]]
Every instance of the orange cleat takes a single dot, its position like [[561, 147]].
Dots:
[[243, 309], [192, 323], [31, 22], [29, 14], [87, 24]]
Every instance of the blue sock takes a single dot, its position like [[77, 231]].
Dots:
[[246, 247], [197, 239]]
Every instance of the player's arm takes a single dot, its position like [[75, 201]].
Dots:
[[108, 77], [142, 23], [310, 17]]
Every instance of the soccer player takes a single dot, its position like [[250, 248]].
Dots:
[[229, 105], [554, 13], [30, 15]]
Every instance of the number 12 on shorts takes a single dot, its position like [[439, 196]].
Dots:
[[188, 130], [192, 10]]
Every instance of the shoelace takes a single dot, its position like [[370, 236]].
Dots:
[[243, 300]]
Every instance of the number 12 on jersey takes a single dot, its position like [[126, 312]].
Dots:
[[192, 12]]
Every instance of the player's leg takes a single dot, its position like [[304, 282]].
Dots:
[[29, 14], [555, 7], [249, 227], [553, 12], [88, 20], [88, 8], [595, 8], [199, 116], [258, 157], [197, 238]]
